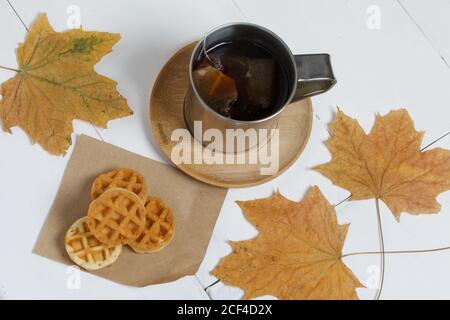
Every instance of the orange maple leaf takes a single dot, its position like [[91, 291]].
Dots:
[[297, 254], [387, 164]]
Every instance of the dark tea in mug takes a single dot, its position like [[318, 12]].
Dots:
[[241, 80]]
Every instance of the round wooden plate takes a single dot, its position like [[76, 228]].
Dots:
[[166, 115]]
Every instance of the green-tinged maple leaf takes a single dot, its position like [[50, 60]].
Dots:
[[56, 84]]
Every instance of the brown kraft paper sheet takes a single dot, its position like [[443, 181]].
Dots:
[[195, 205]]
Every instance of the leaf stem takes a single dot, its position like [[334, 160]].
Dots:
[[383, 252], [382, 263], [395, 252], [9, 69]]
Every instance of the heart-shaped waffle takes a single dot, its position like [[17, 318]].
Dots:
[[159, 227], [86, 251], [120, 178], [117, 217]]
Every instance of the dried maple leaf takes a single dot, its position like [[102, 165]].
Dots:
[[387, 164], [56, 83], [297, 254]]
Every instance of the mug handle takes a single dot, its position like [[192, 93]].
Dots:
[[314, 75]]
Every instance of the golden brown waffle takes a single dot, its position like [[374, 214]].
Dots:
[[159, 227], [86, 251], [120, 178], [117, 217]]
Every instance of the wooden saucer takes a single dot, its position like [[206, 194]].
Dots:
[[166, 115]]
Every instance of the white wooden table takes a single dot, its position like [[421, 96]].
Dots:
[[403, 63]]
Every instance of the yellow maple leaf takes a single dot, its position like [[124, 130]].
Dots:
[[387, 164], [56, 83], [297, 254]]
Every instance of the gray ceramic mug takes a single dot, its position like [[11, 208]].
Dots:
[[307, 75]]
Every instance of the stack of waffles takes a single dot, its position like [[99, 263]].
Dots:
[[121, 213]]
